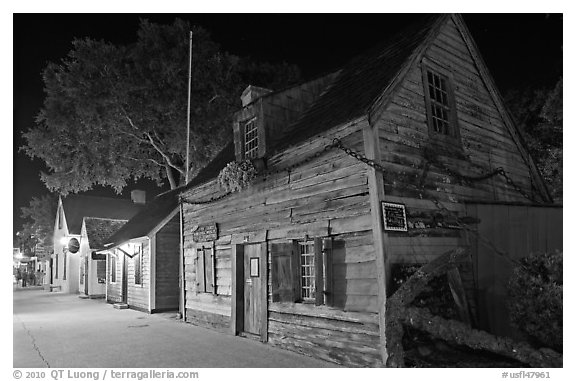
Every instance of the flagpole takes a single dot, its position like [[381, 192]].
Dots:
[[188, 119]]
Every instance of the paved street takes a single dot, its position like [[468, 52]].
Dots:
[[59, 330]]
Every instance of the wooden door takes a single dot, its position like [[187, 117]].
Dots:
[[86, 261], [124, 280], [253, 288]]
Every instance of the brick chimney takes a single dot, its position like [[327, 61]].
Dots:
[[251, 93], [138, 196]]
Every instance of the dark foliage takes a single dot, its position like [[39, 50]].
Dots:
[[117, 112], [437, 297], [535, 299], [539, 113]]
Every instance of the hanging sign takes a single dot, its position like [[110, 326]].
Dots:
[[205, 233], [394, 217], [73, 245]]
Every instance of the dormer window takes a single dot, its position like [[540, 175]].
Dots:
[[440, 104], [251, 139]]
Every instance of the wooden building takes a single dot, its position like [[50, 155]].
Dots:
[[63, 267], [92, 279], [301, 258], [144, 258]]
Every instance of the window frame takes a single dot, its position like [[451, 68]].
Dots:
[[453, 135], [256, 131], [113, 268], [311, 276], [56, 267]]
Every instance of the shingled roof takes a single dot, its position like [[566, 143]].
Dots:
[[98, 229], [76, 207], [143, 223], [361, 82]]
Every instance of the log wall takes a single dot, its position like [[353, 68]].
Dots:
[[326, 197], [485, 145]]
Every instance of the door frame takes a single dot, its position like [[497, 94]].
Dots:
[[124, 287], [237, 323]]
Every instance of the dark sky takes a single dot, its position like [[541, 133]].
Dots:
[[520, 49]]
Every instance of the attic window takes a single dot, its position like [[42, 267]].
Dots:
[[440, 104], [250, 139]]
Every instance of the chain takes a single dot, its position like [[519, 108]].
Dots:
[[496, 172], [209, 201], [337, 143]]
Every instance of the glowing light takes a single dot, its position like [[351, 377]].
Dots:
[[64, 240]]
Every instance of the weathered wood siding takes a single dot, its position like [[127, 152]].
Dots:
[[325, 197], [139, 294], [114, 290], [167, 265], [486, 145]]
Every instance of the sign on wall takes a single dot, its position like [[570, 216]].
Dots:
[[394, 217], [205, 233]]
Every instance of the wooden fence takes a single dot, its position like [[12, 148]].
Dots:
[[517, 231]]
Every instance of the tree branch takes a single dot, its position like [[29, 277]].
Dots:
[[459, 333], [164, 155], [150, 140]]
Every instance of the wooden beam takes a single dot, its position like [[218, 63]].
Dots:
[[381, 246], [459, 295]]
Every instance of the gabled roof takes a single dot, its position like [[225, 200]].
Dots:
[[351, 93], [76, 207], [158, 210], [362, 81], [98, 229]]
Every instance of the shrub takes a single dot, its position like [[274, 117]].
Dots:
[[436, 297], [535, 299], [237, 175]]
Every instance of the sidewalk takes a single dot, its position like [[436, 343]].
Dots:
[[62, 330]]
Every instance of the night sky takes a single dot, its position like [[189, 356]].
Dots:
[[518, 49]]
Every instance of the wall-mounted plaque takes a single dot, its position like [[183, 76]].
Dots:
[[255, 267], [394, 217], [205, 233]]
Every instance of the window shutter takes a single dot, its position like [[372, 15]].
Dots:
[[200, 270], [284, 286], [318, 272], [209, 270], [328, 278]]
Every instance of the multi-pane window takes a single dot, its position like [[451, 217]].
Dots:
[[439, 103], [308, 273], [113, 268], [138, 264], [250, 139]]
